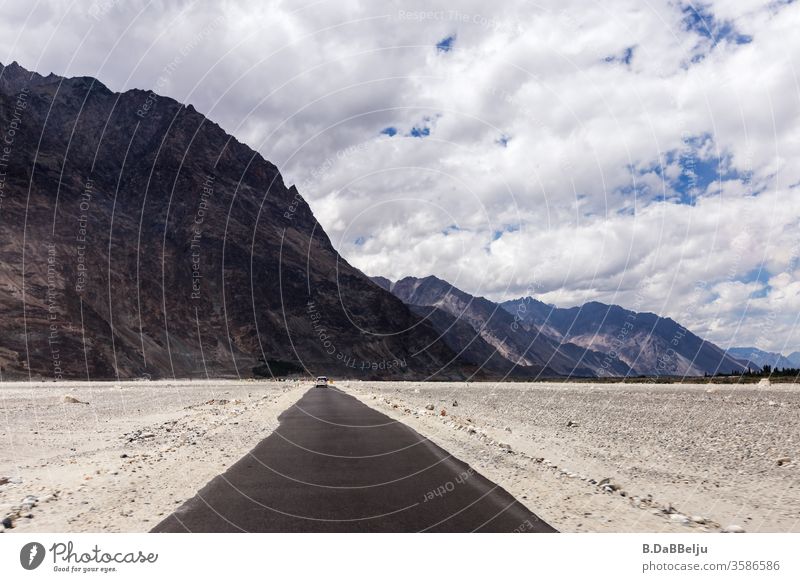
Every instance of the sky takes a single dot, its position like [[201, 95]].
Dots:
[[636, 152]]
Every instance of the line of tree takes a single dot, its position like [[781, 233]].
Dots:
[[766, 371]]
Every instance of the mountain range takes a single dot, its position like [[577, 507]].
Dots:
[[592, 340], [756, 358]]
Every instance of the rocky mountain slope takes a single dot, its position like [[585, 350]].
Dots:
[[138, 238], [649, 344], [528, 350]]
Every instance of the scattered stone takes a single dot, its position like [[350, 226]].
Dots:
[[607, 485], [698, 519], [70, 399], [123, 456], [508, 429], [772, 403], [571, 424], [506, 447], [455, 402], [3, 480], [7, 523], [679, 518], [733, 529], [783, 461], [443, 412], [429, 407]]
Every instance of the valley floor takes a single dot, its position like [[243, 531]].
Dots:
[[131, 455], [584, 457], [620, 457]]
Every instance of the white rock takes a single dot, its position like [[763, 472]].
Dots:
[[679, 518]]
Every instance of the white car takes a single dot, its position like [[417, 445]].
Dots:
[[322, 382]]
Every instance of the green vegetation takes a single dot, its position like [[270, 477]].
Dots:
[[772, 374], [750, 376]]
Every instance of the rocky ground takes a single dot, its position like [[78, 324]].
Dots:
[[119, 457], [620, 457], [606, 457]]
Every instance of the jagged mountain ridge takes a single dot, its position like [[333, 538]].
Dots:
[[607, 339], [527, 349], [651, 345]]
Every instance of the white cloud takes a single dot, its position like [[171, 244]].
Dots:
[[311, 86]]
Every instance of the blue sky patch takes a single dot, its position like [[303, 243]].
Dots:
[[506, 228], [446, 44], [503, 140], [701, 167], [699, 19], [699, 175], [390, 131], [625, 57], [758, 275], [418, 131]]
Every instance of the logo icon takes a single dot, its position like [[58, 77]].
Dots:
[[31, 555]]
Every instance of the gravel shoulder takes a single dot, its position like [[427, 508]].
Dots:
[[621, 457], [117, 457]]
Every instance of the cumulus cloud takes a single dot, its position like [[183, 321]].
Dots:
[[628, 152]]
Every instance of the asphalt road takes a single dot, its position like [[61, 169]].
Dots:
[[336, 465]]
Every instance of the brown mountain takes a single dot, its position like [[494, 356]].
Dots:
[[651, 345], [529, 351], [137, 237]]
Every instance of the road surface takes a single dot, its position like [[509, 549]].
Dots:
[[336, 465]]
